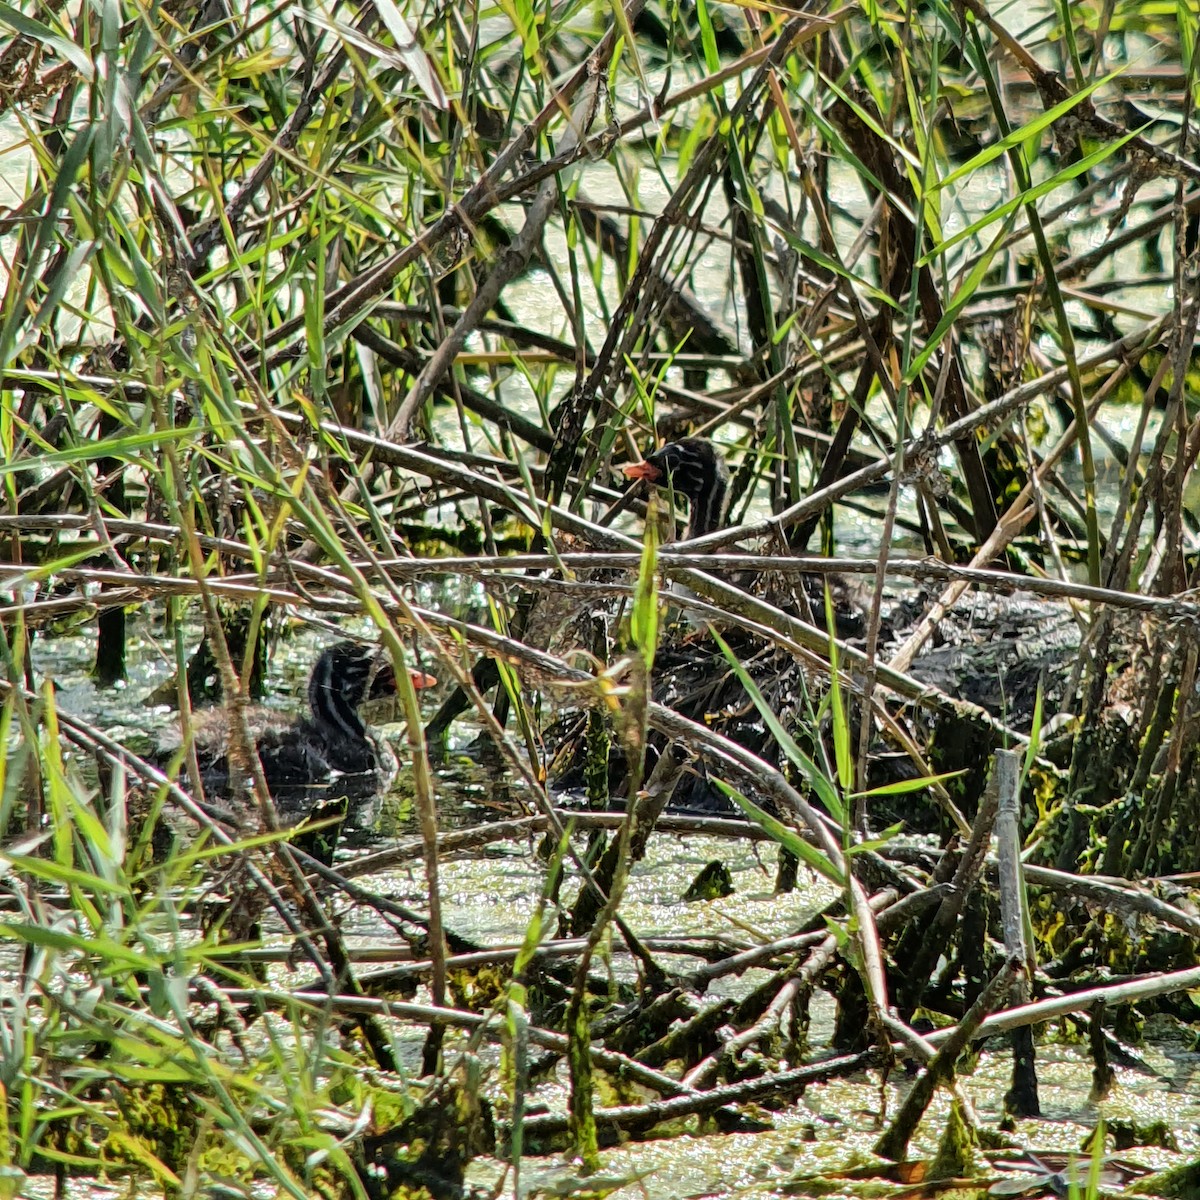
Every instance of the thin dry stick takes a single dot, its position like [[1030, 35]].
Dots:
[[402, 968], [925, 1053], [353, 300], [1115, 895], [1054, 91], [643, 1116], [790, 633], [128, 586], [1148, 988], [792, 987], [620, 1065], [95, 741], [139, 585], [510, 264], [889, 917], [457, 841], [936, 936]]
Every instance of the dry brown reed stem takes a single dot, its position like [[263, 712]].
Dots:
[[334, 964], [445, 471], [627, 325], [517, 652], [779, 1083], [1147, 987], [432, 466], [241, 742], [784, 1082], [548, 669], [425, 803], [1119, 550], [1111, 893], [634, 1117], [991, 415], [1084, 117], [924, 945], [1007, 808], [1137, 989], [771, 622], [645, 809], [1088, 260], [619, 1065], [1115, 895], [902, 736], [1021, 1099], [890, 916], [422, 775], [544, 672], [924, 1052], [794, 982], [397, 606], [94, 741], [799, 637], [818, 25], [516, 257], [400, 957], [459, 840]]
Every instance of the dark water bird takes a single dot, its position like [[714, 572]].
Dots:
[[329, 751], [691, 673]]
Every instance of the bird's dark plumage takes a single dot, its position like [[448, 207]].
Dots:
[[331, 747]]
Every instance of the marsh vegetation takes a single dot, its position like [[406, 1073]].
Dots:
[[322, 322]]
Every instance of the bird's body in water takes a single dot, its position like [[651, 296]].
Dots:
[[692, 674], [304, 761]]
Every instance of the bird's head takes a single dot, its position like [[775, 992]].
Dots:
[[692, 467]]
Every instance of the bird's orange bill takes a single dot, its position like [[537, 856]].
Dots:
[[642, 470], [421, 680]]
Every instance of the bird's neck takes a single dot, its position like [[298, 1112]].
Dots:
[[331, 710], [708, 509]]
